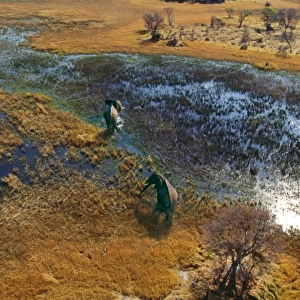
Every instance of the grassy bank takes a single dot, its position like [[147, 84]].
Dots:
[[117, 26]]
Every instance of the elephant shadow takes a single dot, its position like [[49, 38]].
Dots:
[[104, 136], [153, 221]]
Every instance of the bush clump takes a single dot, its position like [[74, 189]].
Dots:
[[244, 47]]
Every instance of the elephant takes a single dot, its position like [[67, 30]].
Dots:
[[166, 194], [110, 114]]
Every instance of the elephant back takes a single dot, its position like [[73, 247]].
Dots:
[[164, 187], [115, 103], [118, 105], [166, 195], [110, 115], [171, 190]]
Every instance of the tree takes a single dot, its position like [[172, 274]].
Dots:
[[288, 18], [269, 16], [242, 16], [245, 38], [153, 21], [229, 11], [169, 11], [243, 239]]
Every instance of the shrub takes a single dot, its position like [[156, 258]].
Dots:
[[260, 40], [157, 36]]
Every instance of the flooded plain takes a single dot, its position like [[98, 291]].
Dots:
[[228, 128]]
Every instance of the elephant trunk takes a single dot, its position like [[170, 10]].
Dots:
[[144, 188]]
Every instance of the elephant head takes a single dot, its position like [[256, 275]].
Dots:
[[166, 194], [110, 114]]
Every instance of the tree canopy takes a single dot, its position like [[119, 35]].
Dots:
[[243, 239], [153, 21]]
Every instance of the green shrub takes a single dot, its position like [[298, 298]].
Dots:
[[157, 36], [244, 47]]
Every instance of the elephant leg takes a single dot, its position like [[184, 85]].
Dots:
[[159, 208], [169, 214], [111, 127]]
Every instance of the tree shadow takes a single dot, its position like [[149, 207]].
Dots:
[[142, 31], [153, 221], [148, 41]]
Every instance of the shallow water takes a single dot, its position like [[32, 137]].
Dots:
[[235, 127]]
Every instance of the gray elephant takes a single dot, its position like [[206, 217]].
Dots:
[[110, 114], [166, 194]]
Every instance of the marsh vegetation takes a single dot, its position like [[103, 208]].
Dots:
[[228, 133]]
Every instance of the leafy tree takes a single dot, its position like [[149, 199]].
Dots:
[[243, 239], [269, 16], [242, 16], [288, 18], [153, 21], [169, 11], [229, 11], [246, 36]]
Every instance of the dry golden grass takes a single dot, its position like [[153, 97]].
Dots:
[[114, 26], [13, 182], [35, 118], [281, 280], [286, 277], [67, 237], [74, 239], [9, 138]]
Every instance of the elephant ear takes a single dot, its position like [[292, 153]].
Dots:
[[167, 174], [118, 106], [109, 101], [158, 180]]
